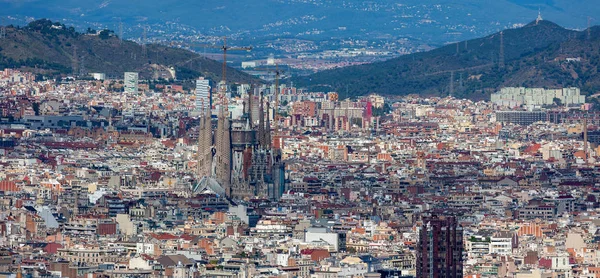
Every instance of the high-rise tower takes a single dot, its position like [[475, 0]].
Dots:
[[203, 94], [131, 82], [440, 247]]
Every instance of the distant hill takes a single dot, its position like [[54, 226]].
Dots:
[[47, 47], [433, 22], [534, 55]]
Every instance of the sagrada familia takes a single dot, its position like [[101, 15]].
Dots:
[[239, 159]]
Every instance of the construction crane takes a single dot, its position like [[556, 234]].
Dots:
[[278, 73], [223, 47]]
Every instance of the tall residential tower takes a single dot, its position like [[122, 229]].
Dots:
[[440, 248]]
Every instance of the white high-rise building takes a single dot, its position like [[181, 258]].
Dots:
[[203, 99], [131, 82], [532, 97]]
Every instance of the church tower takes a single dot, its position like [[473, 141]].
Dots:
[[205, 144], [223, 147]]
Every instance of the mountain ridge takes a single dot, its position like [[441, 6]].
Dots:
[[475, 66], [50, 47]]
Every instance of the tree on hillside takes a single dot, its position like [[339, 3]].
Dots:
[[105, 34]]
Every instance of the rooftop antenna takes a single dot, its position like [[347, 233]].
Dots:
[[501, 58]]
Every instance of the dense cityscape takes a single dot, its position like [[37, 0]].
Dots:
[[131, 182], [350, 156]]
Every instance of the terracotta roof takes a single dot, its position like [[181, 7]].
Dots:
[[164, 236]]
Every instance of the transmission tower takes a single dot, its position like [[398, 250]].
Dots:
[[120, 31], [451, 83], [589, 28], [501, 58], [74, 60], [82, 71], [144, 38], [2, 30]]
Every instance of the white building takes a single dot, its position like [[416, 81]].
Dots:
[[98, 76], [338, 241], [517, 96], [202, 94], [501, 244], [145, 248], [246, 65], [131, 82]]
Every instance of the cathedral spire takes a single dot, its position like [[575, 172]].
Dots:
[[261, 122], [223, 147], [205, 143], [268, 128], [250, 97]]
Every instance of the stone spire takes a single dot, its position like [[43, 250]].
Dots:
[[250, 120], [223, 148], [261, 123], [268, 129], [205, 144]]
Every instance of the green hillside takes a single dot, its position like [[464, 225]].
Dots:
[[533, 56], [48, 47]]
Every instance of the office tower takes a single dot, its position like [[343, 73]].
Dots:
[[440, 248], [203, 99], [131, 82]]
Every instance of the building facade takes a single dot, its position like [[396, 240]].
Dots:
[[203, 99], [131, 82], [440, 248]]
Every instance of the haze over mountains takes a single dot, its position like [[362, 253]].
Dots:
[[540, 54], [434, 22], [534, 55]]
